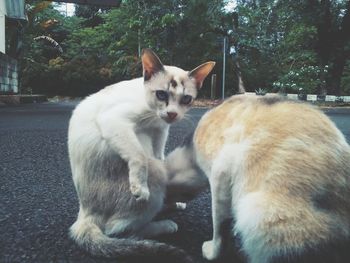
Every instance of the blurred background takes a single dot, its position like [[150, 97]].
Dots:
[[273, 45]]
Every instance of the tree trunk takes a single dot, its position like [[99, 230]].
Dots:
[[337, 72], [324, 45], [241, 89]]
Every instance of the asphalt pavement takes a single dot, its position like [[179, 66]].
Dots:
[[37, 198]]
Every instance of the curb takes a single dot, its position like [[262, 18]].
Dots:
[[336, 110], [11, 100]]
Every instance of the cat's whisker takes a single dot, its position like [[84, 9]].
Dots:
[[147, 118], [189, 117]]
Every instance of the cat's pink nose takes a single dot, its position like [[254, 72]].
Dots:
[[172, 115]]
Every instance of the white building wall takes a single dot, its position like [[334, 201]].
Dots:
[[2, 26]]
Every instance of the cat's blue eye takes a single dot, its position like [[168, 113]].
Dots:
[[162, 95], [187, 99]]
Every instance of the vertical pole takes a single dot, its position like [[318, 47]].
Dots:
[[138, 43], [223, 68], [213, 87]]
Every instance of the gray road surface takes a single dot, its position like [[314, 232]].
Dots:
[[37, 198]]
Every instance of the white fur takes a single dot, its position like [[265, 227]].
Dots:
[[249, 214], [226, 185]]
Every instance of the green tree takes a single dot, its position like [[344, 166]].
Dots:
[[281, 45], [294, 44]]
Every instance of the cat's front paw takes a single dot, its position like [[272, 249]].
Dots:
[[140, 192], [170, 226], [211, 250]]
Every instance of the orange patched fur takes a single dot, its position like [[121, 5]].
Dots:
[[281, 169]]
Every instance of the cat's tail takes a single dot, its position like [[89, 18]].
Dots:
[[89, 237]]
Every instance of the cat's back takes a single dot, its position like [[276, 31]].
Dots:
[[268, 119], [112, 95], [124, 92], [83, 122]]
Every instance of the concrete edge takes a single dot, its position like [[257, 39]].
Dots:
[[11, 100]]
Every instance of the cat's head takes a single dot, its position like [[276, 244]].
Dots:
[[170, 91]]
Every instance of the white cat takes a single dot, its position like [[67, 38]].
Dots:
[[114, 137]]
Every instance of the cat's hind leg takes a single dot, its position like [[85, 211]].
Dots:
[[221, 194]]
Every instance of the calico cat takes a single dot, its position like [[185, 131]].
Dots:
[[115, 138], [281, 170]]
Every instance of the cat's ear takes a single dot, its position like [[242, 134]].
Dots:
[[201, 72], [151, 64]]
